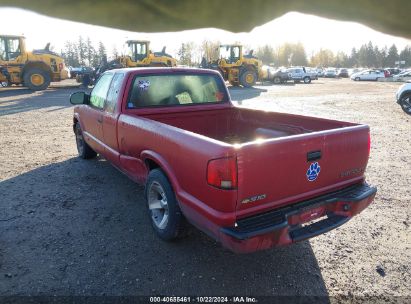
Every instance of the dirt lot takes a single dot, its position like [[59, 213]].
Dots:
[[78, 227]]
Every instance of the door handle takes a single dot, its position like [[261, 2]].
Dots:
[[100, 119], [314, 155]]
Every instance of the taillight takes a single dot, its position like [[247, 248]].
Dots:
[[222, 173], [61, 65]]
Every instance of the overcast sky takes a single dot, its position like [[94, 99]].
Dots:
[[314, 32]]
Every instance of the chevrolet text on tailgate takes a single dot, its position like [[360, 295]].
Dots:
[[250, 179]]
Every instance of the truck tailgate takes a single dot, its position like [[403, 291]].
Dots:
[[275, 173]]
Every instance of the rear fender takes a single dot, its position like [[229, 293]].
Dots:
[[37, 64], [163, 164]]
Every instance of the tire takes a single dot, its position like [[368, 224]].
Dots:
[[307, 80], [166, 217], [277, 80], [357, 78], [248, 78], [36, 79], [83, 149], [405, 103]]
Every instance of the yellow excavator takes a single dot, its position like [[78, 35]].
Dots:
[[139, 55], [34, 70], [236, 68]]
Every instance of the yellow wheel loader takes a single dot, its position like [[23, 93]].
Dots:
[[139, 55], [236, 68], [34, 70]]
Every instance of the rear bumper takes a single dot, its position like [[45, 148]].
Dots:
[[284, 226]]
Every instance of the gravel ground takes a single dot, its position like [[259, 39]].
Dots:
[[74, 227]]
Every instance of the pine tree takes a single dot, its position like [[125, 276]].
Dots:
[[405, 55], [82, 51], [266, 54], [185, 53], [90, 53], [392, 56]]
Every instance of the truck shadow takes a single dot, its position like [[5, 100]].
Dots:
[[13, 91], [22, 100], [82, 227], [240, 93]]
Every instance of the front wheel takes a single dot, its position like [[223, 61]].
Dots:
[[83, 149], [165, 214], [277, 80], [357, 79], [405, 103], [307, 80], [248, 78], [36, 79]]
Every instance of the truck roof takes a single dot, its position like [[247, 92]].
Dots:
[[164, 70]]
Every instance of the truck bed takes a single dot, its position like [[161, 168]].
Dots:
[[239, 126], [274, 151]]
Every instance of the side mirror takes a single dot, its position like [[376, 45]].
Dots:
[[79, 98]]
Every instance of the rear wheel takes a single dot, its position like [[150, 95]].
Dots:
[[36, 79], [248, 78], [83, 149], [165, 214], [277, 80], [405, 103], [307, 79]]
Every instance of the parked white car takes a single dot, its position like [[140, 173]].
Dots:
[[368, 75], [301, 74], [320, 72], [403, 97], [330, 73], [404, 76]]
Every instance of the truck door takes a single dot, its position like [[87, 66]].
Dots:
[[110, 117], [298, 74], [93, 118]]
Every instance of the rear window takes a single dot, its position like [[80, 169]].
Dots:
[[176, 90]]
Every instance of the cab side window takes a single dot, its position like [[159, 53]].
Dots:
[[236, 53], [9, 48], [13, 48], [2, 49], [99, 93], [113, 92]]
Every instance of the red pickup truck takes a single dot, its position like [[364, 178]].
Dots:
[[250, 179]]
